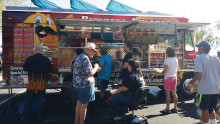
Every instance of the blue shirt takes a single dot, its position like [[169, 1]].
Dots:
[[82, 67], [107, 63]]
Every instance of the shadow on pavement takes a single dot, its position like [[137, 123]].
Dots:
[[153, 116], [59, 112], [56, 111], [188, 110]]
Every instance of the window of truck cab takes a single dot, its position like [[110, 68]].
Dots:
[[188, 41]]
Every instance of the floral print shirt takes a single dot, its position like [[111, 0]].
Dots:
[[81, 68]]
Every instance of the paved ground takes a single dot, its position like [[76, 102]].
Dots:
[[59, 112]]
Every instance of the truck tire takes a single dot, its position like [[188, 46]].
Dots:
[[183, 90]]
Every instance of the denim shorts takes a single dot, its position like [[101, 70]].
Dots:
[[85, 95]]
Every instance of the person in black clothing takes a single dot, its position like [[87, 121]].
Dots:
[[128, 50], [38, 68], [123, 95], [78, 52]]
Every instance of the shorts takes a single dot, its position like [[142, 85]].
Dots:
[[85, 95], [208, 102], [170, 83], [102, 84]]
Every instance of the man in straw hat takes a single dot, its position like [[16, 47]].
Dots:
[[83, 81]]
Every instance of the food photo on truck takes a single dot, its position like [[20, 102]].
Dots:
[[62, 31]]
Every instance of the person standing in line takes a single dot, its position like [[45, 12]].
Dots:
[[135, 54], [207, 71], [38, 68], [68, 90], [78, 52], [106, 65], [129, 54], [83, 81], [170, 80]]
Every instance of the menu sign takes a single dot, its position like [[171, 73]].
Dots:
[[117, 36], [152, 36], [157, 60], [23, 41], [66, 57], [141, 35], [138, 35], [130, 35]]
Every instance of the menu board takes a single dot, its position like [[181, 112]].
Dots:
[[141, 35], [157, 60], [145, 36], [66, 57], [138, 35], [117, 36], [23, 41], [130, 35], [152, 36]]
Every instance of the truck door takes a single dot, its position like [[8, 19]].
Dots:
[[189, 50]]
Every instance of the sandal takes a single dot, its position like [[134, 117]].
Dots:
[[165, 111], [174, 110]]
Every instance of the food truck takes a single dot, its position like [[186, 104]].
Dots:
[[62, 31]]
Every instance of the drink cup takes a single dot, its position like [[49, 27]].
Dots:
[[113, 91], [25, 80]]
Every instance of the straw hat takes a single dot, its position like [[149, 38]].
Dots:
[[90, 46]]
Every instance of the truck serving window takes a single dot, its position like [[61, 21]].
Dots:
[[188, 42], [166, 38]]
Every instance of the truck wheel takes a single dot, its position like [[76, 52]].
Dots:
[[183, 88]]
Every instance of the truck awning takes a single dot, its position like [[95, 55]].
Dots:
[[119, 7], [82, 5], [45, 4], [128, 24]]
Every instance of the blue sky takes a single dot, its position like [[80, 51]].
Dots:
[[195, 10]]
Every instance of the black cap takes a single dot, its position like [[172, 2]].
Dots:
[[205, 45]]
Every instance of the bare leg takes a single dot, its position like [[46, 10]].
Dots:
[[102, 93], [83, 110], [77, 112], [175, 98], [205, 116], [212, 115], [167, 92]]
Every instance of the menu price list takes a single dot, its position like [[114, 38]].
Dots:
[[23, 41]]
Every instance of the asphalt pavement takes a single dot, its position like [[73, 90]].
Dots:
[[59, 111]]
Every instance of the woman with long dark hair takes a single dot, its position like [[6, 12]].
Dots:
[[130, 84]]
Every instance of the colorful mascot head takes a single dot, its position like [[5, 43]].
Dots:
[[45, 29]]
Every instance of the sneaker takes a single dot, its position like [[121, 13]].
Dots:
[[117, 118]]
